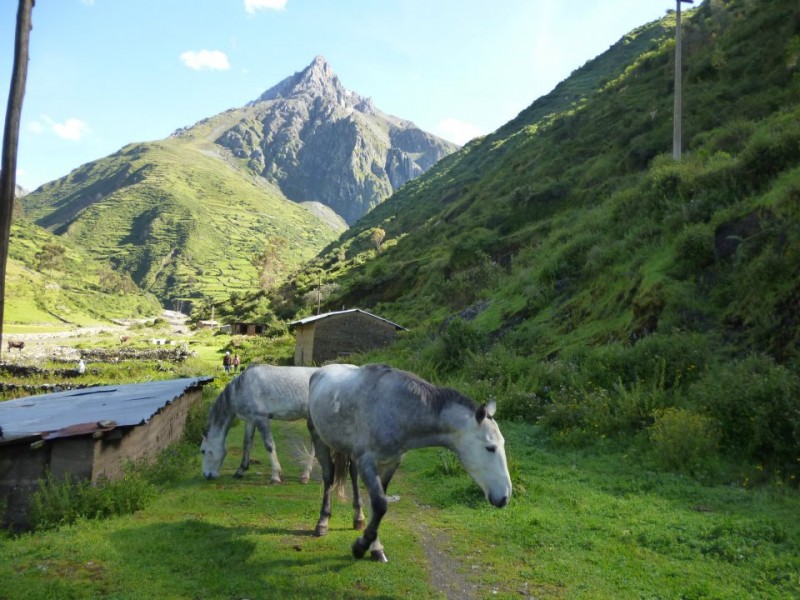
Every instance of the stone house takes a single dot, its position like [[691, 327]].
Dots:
[[339, 334]]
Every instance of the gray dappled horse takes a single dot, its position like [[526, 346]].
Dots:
[[258, 394], [374, 414]]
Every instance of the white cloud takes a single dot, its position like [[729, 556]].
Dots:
[[251, 6], [87, 2], [71, 129], [205, 59], [457, 131]]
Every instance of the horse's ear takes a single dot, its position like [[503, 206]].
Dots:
[[491, 408], [485, 410]]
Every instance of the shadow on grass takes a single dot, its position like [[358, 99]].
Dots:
[[192, 558]]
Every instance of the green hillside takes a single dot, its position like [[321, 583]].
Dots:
[[567, 266], [183, 221], [50, 281]]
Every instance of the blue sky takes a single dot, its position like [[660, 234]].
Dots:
[[104, 73]]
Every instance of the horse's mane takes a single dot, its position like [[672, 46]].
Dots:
[[432, 396], [222, 406]]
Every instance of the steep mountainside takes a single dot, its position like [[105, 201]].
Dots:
[[569, 267], [318, 141], [50, 280], [206, 212], [180, 219]]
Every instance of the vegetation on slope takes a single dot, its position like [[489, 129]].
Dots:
[[569, 267], [186, 224], [53, 281]]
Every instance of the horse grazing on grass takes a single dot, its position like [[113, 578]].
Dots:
[[258, 394], [18, 344], [372, 415]]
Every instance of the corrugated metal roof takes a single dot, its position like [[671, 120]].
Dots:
[[344, 312], [124, 405]]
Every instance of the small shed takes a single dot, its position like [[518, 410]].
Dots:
[[239, 328], [333, 335], [88, 433]]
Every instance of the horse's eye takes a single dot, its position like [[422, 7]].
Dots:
[[491, 448]]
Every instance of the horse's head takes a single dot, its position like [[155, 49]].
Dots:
[[481, 448], [213, 450]]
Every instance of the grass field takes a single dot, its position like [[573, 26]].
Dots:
[[580, 525]]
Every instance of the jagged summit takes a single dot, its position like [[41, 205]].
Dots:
[[318, 141], [317, 79]]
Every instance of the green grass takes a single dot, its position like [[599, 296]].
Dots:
[[580, 525]]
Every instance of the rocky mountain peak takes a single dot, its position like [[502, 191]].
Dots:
[[317, 141], [316, 80]]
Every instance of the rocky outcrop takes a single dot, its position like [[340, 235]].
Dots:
[[320, 142]]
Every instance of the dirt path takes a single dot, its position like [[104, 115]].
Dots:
[[448, 573]]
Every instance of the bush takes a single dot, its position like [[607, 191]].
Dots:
[[694, 249], [757, 404], [682, 439], [453, 348], [56, 503]]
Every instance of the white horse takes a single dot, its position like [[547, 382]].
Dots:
[[258, 394], [372, 415]]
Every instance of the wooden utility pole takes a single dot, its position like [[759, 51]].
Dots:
[[676, 118], [8, 176]]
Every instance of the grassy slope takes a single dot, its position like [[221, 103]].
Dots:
[[69, 293], [182, 220], [602, 282]]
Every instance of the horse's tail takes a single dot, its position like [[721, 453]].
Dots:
[[341, 467]]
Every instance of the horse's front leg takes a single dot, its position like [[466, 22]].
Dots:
[[369, 540], [326, 462], [359, 521], [305, 476], [266, 434], [247, 447]]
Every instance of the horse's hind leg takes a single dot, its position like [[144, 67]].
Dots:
[[247, 447], [359, 521], [326, 462], [269, 444]]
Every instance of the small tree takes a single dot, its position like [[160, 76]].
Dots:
[[377, 238], [51, 256], [269, 263]]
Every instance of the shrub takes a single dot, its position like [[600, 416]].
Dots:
[[585, 414], [757, 404], [452, 349], [694, 249], [682, 439], [58, 502]]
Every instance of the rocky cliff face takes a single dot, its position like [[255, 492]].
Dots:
[[321, 142]]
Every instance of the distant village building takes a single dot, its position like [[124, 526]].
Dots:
[[339, 334], [88, 434], [248, 328]]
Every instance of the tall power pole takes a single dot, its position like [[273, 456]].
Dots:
[[676, 118]]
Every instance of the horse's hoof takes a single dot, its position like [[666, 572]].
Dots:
[[304, 478], [275, 481], [358, 549], [320, 530], [359, 524], [238, 475], [378, 556]]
